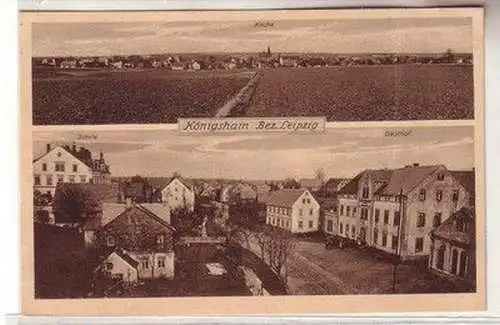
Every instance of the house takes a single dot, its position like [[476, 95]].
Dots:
[[311, 184], [119, 265], [145, 237], [453, 252], [293, 209], [328, 215], [394, 210], [64, 164], [238, 193], [196, 66], [178, 193]]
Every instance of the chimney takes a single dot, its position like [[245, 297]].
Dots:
[[48, 147], [101, 155], [129, 202]]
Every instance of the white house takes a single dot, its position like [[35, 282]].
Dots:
[[178, 193], [119, 265], [65, 164], [293, 209]]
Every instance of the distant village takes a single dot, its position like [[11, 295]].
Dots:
[[150, 236], [265, 59]]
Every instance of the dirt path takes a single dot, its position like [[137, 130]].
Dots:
[[241, 99]]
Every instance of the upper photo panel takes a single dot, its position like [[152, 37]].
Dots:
[[373, 66]]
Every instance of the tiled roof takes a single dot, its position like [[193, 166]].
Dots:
[[447, 230], [406, 179], [285, 197], [160, 209], [110, 211], [392, 180], [467, 178]]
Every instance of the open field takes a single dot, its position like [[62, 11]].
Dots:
[[366, 93], [97, 97], [341, 93]]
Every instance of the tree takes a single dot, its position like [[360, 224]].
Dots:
[[73, 203], [291, 183], [449, 55], [183, 220], [320, 174]]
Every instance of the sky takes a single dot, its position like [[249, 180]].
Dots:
[[269, 156], [408, 35]]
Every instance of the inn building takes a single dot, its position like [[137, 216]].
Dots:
[[394, 210]]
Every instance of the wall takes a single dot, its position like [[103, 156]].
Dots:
[[447, 270], [390, 229], [343, 219], [50, 159], [430, 206], [306, 217], [167, 271], [121, 267], [178, 195], [333, 217]]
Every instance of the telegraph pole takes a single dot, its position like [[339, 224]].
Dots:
[[396, 259]]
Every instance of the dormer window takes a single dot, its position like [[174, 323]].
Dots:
[[365, 193], [110, 241], [440, 176]]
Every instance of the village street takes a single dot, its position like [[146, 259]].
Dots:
[[315, 270]]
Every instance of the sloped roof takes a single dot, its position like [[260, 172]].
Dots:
[[160, 209], [106, 193], [285, 197], [393, 180], [448, 231], [467, 178], [406, 179], [127, 258], [186, 183], [310, 182], [110, 211]]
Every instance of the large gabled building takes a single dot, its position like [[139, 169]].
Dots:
[[394, 210], [65, 164]]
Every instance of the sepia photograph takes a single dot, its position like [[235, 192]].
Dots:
[[151, 213], [372, 66]]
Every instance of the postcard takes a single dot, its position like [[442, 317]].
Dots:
[[252, 163]]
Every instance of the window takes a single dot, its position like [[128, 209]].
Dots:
[[160, 240], [288, 224], [397, 218], [341, 210], [455, 195], [44, 167], [37, 180], [377, 215], [439, 195], [269, 209], [304, 201], [145, 263], [440, 176], [329, 225], [300, 212], [460, 225], [83, 179], [386, 217], [354, 211], [421, 195], [348, 211], [394, 243], [109, 266], [59, 167], [421, 220], [310, 212], [60, 179], [110, 241], [71, 178], [384, 239], [419, 245], [347, 230], [353, 231], [375, 236], [161, 261], [75, 168], [49, 180], [308, 201], [364, 214], [300, 224], [311, 224], [366, 192], [437, 219]]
